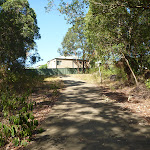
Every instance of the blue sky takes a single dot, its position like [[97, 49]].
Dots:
[[53, 28]]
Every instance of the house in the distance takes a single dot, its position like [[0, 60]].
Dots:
[[67, 62]]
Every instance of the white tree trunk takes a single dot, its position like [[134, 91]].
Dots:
[[100, 74]]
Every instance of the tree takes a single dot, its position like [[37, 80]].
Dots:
[[71, 45], [75, 43], [43, 66], [115, 28], [120, 28], [18, 32], [73, 10]]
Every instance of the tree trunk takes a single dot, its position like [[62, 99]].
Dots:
[[77, 62], [78, 66], [131, 70], [100, 74], [83, 61], [83, 66]]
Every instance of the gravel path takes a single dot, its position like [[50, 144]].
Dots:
[[84, 119]]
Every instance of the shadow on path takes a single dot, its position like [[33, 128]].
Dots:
[[83, 119]]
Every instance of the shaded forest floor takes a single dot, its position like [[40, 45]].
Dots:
[[136, 99]]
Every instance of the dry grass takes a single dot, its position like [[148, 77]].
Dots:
[[90, 78], [95, 79], [49, 79]]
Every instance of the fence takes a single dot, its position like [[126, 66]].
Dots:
[[55, 71]]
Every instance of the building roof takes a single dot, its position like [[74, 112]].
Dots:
[[67, 57]]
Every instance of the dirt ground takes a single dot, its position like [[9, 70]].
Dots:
[[88, 117], [136, 99]]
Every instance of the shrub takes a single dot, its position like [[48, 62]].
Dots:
[[147, 83], [19, 119], [43, 66], [19, 127], [106, 73], [20, 82]]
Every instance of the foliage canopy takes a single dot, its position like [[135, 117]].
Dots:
[[18, 31]]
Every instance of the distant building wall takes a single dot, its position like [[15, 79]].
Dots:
[[51, 64], [66, 63]]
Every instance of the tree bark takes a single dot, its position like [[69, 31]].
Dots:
[[83, 62], [100, 74], [77, 62], [131, 70]]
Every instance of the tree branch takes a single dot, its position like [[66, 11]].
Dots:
[[113, 6]]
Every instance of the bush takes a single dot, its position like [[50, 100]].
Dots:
[[43, 66], [18, 121], [106, 73], [19, 127], [147, 83], [18, 115], [20, 82], [121, 75]]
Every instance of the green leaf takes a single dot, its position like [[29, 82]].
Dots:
[[13, 131], [6, 130], [16, 141], [5, 114], [31, 117], [1, 125], [24, 109], [24, 143], [36, 122], [16, 121]]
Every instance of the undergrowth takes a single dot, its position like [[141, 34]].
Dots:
[[17, 120], [147, 83], [120, 75]]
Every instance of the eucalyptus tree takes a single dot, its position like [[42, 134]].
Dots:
[[18, 31], [121, 28], [70, 44], [75, 12], [115, 28], [75, 43]]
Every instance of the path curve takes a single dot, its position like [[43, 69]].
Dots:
[[83, 119]]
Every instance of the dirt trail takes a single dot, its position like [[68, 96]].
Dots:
[[83, 119]]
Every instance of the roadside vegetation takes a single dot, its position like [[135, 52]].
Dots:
[[24, 105], [17, 120], [43, 66], [18, 31]]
